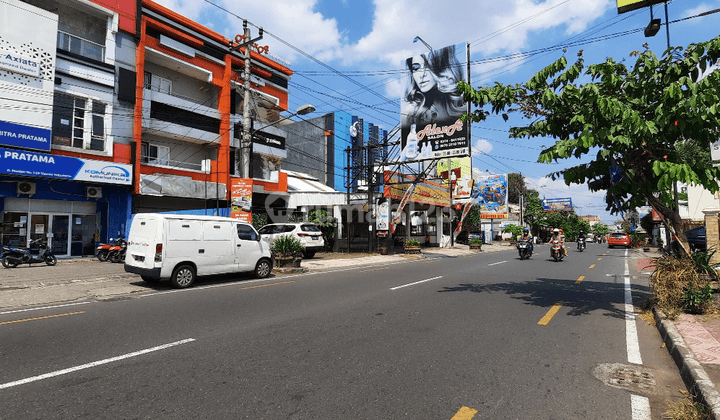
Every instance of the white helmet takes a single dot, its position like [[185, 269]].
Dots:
[[556, 230]]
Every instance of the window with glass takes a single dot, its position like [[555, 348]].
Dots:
[[80, 46], [154, 154], [78, 122], [157, 83]]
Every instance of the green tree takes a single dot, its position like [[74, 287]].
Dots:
[[516, 187], [534, 211], [600, 229], [633, 120], [326, 223], [473, 221]]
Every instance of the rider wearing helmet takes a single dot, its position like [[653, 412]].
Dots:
[[526, 236], [558, 235]]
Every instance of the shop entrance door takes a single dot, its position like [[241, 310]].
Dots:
[[39, 227], [60, 234]]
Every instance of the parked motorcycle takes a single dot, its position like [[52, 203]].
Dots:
[[116, 253], [523, 247], [102, 252], [556, 250], [14, 256], [581, 244]]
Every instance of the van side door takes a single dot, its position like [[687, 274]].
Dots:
[[248, 249], [218, 247]]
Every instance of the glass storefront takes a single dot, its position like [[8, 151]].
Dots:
[[70, 230]]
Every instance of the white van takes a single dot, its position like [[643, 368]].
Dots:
[[182, 247]]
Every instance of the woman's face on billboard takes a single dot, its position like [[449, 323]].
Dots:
[[422, 75]]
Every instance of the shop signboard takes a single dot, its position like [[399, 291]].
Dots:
[[491, 196], [241, 190], [27, 75], [42, 165], [430, 107]]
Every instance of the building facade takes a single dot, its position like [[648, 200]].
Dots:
[[110, 108], [66, 173], [188, 118]]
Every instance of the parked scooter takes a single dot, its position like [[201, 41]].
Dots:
[[556, 250], [116, 253], [581, 244], [523, 247], [14, 256], [103, 250]]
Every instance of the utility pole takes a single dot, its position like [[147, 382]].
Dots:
[[246, 42], [245, 146]]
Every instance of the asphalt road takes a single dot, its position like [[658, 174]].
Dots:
[[472, 337]]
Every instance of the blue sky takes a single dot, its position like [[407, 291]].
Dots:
[[348, 54]]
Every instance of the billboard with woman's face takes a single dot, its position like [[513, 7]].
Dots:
[[430, 107]]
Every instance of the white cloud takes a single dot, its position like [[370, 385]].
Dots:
[[481, 146], [490, 27], [484, 24]]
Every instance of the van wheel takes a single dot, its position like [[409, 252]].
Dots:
[[183, 276], [263, 268], [308, 254]]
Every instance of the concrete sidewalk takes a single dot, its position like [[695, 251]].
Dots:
[[693, 341]]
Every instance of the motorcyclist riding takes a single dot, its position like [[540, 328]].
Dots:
[[581, 240], [560, 237], [526, 236]]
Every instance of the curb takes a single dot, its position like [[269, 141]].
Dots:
[[691, 371]]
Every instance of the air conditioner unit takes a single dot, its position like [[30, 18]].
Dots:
[[93, 192], [25, 188]]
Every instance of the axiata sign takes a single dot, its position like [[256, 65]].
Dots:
[[20, 162]]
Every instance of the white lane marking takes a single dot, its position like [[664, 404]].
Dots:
[[501, 262], [93, 364], [417, 282], [43, 307], [640, 407], [631, 337]]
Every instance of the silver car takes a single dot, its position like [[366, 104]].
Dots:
[[309, 235]]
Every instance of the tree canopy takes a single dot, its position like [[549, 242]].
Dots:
[[638, 123]]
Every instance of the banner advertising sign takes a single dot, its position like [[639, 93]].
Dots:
[[491, 196], [554, 204], [241, 195], [430, 107], [41, 165], [462, 168], [424, 192], [27, 75], [382, 215]]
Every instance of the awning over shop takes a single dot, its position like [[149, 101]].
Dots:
[[306, 190]]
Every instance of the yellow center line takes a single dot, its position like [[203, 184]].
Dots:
[[465, 413], [592, 266], [550, 314], [581, 278], [600, 259], [40, 317], [266, 285]]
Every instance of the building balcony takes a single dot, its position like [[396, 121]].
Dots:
[[179, 118]]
